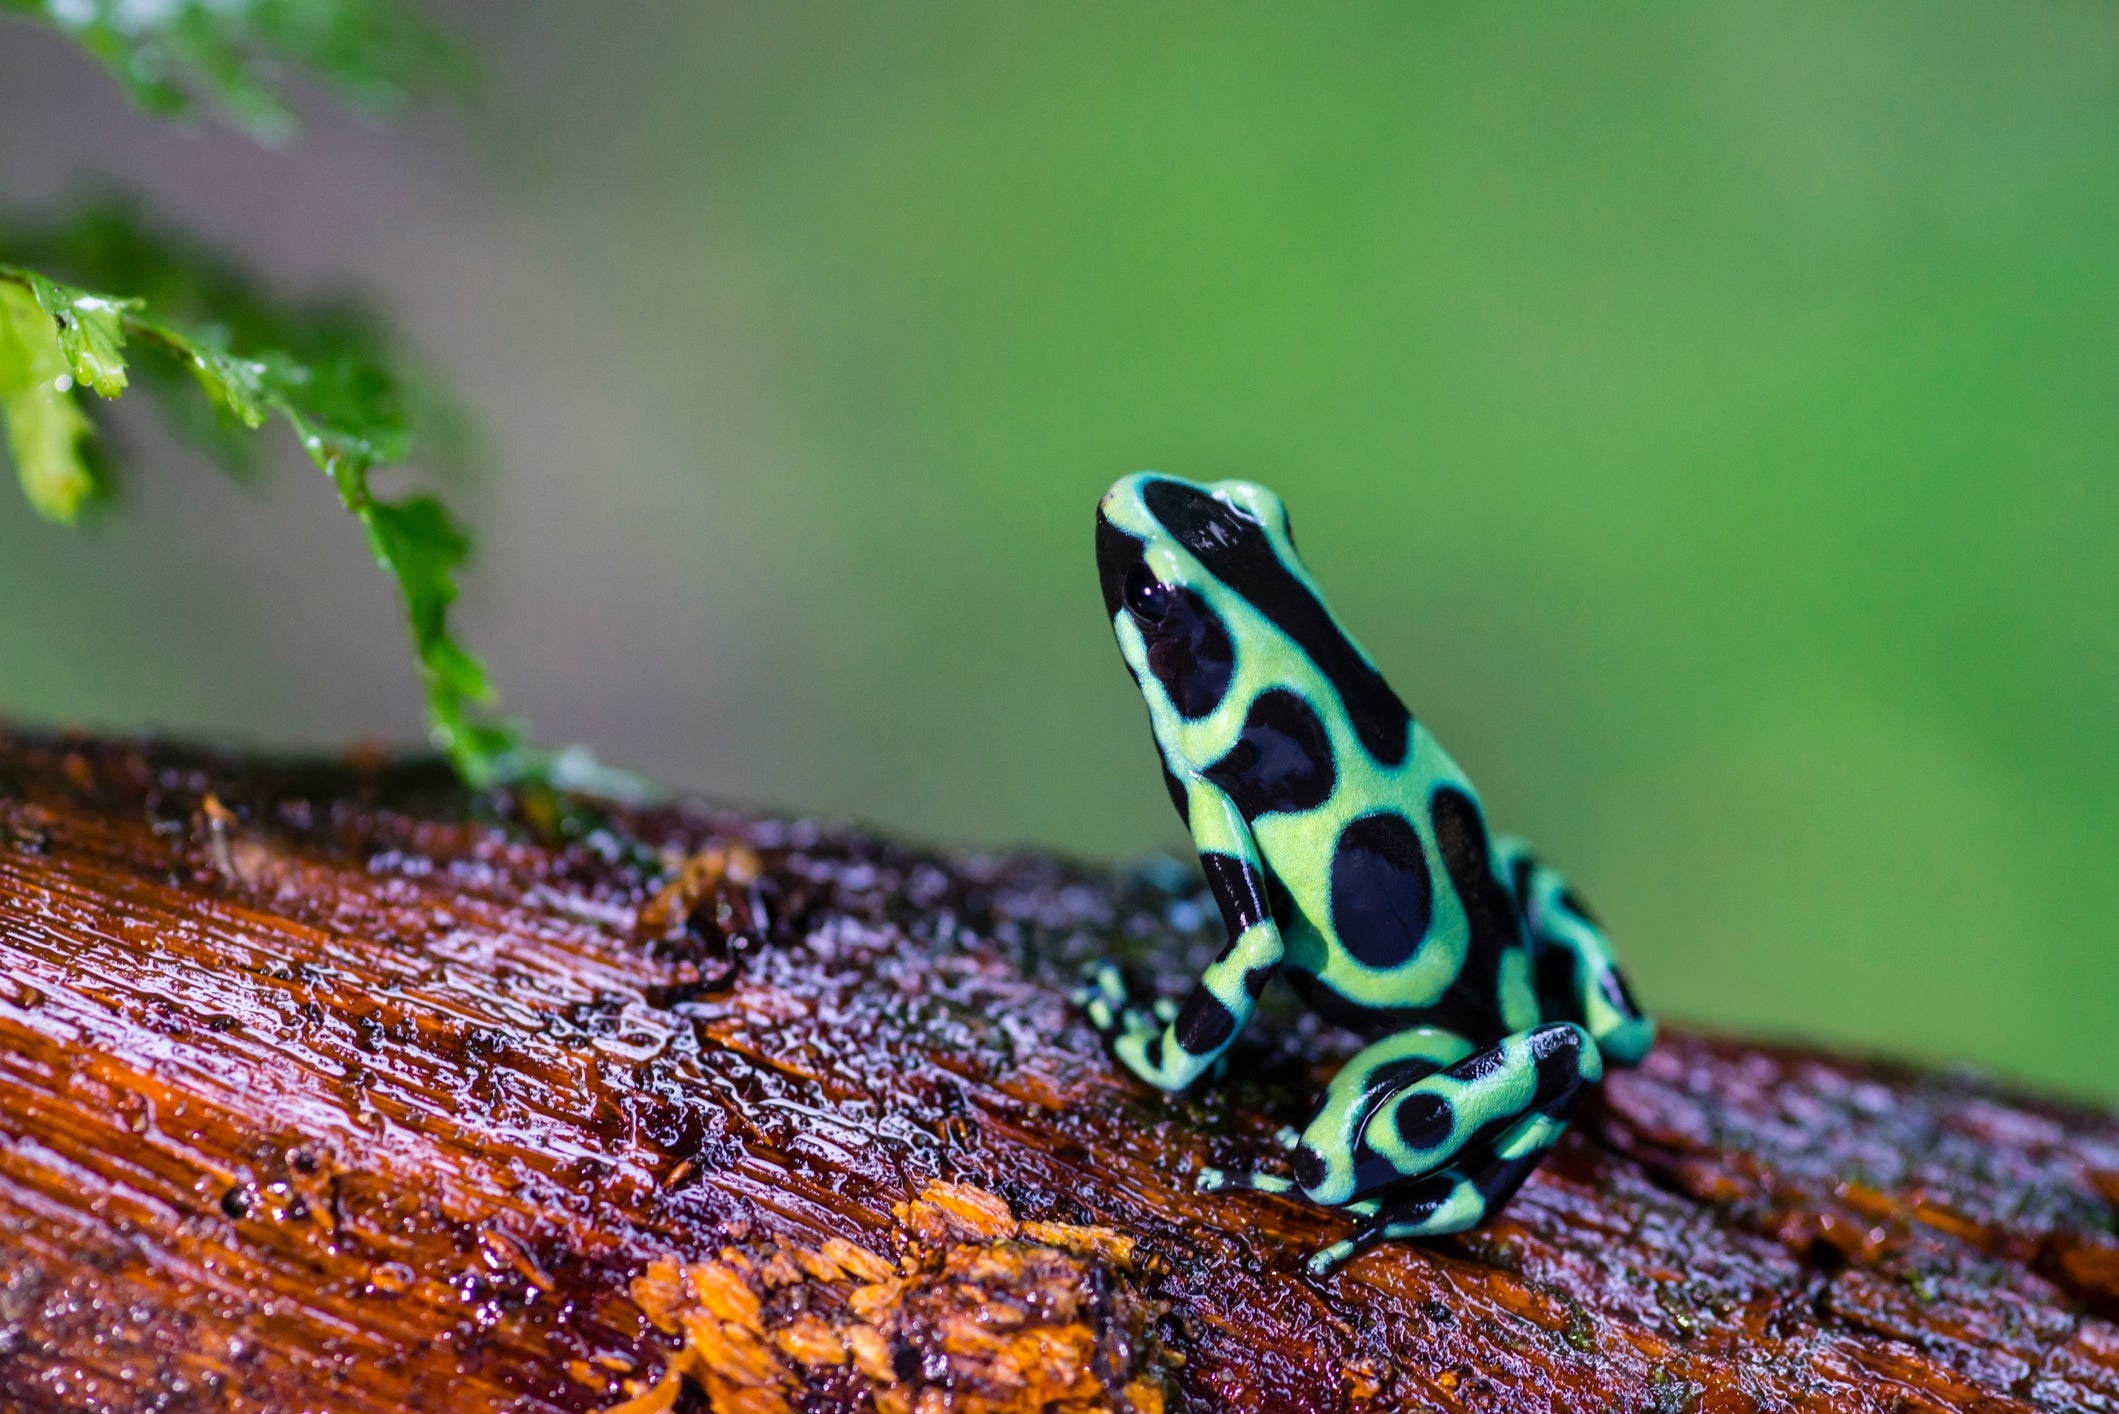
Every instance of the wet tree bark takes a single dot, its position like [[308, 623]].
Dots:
[[324, 1087]]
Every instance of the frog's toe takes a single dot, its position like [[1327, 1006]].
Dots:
[[1101, 976], [1324, 1263], [1102, 993], [1136, 1022], [1222, 1181], [1121, 1021]]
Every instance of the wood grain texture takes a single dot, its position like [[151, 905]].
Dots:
[[322, 1087]]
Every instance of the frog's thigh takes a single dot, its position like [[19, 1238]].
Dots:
[[1324, 1160], [1455, 1114]]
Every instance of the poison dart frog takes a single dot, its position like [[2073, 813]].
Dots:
[[1349, 854]]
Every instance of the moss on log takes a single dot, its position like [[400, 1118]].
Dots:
[[325, 1087]]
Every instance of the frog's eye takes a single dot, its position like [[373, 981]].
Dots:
[[1146, 597]]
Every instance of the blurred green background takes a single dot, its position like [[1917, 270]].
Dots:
[[1707, 417]]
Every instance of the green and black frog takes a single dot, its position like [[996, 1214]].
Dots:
[[1349, 854]]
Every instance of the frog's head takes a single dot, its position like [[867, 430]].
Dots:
[[1156, 537], [1196, 578]]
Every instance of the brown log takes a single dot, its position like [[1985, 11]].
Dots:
[[326, 1087]]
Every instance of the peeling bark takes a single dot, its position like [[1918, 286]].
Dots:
[[325, 1087]]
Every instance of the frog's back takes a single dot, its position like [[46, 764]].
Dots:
[[1391, 901]]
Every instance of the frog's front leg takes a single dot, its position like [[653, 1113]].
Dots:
[[1577, 976], [1172, 1048]]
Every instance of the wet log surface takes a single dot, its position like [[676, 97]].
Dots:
[[322, 1087]]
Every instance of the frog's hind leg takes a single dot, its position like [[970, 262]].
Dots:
[[1324, 1153], [1453, 1200], [1455, 1116], [1443, 1152], [1577, 976]]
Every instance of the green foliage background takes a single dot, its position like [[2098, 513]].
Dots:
[[1708, 416]]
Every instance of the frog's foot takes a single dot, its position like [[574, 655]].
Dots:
[[1137, 1033], [1104, 995]]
